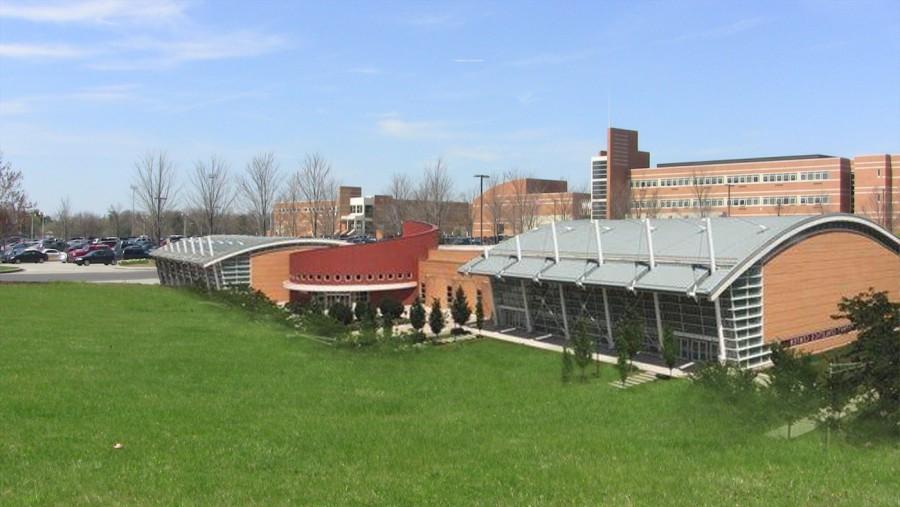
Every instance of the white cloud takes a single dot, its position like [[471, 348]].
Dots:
[[402, 129], [479, 154], [10, 107], [106, 93], [93, 11], [154, 53], [554, 58], [739, 26], [468, 60], [41, 52]]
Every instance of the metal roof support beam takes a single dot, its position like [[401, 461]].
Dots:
[[527, 310], [193, 251], [659, 326], [486, 251], [209, 241], [650, 242], [709, 241], [518, 248], [562, 305], [609, 330], [200, 243], [599, 244], [555, 241], [719, 330]]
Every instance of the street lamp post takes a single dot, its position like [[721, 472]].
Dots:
[[133, 189], [481, 178], [729, 200]]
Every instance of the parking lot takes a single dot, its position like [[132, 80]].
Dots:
[[95, 273]]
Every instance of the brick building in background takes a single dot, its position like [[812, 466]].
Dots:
[[521, 204], [624, 185], [295, 219]]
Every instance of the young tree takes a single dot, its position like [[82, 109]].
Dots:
[[417, 316], [459, 308], [390, 308], [792, 384], [402, 191], [876, 320], [631, 333], [582, 346], [670, 348], [479, 312], [362, 310], [568, 365], [436, 317], [623, 359], [836, 387], [14, 202], [156, 188], [258, 186]]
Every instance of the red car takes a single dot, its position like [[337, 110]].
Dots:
[[74, 253]]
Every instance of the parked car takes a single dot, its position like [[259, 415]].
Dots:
[[53, 254], [135, 252], [74, 253], [28, 256], [99, 256]]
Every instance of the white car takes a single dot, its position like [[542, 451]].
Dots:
[[53, 254]]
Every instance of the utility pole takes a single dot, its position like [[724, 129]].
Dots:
[[33, 211], [481, 178], [183, 225]]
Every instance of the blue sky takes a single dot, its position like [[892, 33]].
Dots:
[[88, 86]]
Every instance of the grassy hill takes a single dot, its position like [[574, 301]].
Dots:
[[215, 408]]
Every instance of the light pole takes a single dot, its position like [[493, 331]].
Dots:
[[481, 178], [133, 189], [729, 200]]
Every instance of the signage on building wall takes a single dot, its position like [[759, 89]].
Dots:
[[816, 335]]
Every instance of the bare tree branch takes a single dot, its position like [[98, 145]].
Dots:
[[258, 186], [155, 175], [314, 180], [212, 193]]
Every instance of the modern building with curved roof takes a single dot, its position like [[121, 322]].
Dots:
[[363, 272], [221, 261], [726, 287]]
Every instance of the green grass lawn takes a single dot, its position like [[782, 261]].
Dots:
[[214, 408]]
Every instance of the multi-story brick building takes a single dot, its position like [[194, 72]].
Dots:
[[519, 205], [297, 218], [624, 185]]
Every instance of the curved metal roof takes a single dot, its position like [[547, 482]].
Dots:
[[680, 250], [208, 250]]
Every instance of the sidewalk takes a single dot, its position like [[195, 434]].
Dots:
[[603, 358]]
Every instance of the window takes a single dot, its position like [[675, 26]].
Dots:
[[422, 291], [449, 294]]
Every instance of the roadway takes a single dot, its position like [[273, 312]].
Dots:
[[62, 272]]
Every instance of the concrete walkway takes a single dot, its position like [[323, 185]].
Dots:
[[603, 358]]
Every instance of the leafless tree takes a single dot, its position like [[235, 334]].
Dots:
[[87, 224], [875, 208], [700, 191], [315, 181], [64, 215], [258, 187], [13, 200], [622, 201], [156, 180], [212, 192], [402, 191], [496, 204], [435, 193], [114, 216], [523, 207], [331, 211], [289, 207]]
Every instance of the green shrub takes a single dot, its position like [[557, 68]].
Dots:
[[341, 313], [390, 308], [362, 310]]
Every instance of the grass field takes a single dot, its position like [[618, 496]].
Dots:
[[214, 408]]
